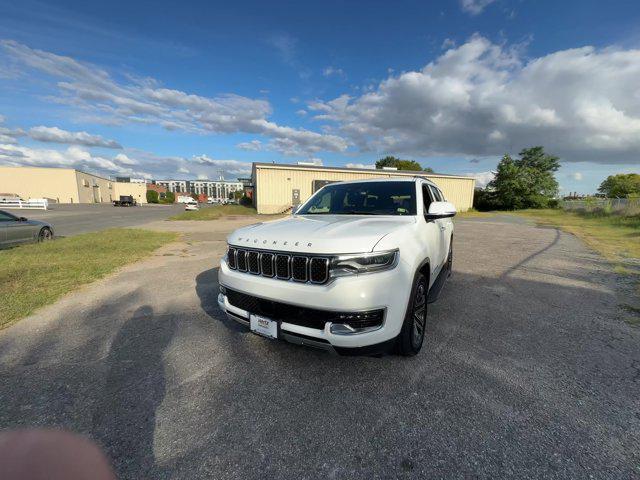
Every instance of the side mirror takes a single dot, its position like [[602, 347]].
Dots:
[[22, 219], [440, 210]]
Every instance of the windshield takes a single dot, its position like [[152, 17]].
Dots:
[[367, 198]]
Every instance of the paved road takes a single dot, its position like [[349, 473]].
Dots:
[[81, 218], [528, 372]]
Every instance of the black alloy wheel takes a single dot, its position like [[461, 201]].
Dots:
[[413, 330]]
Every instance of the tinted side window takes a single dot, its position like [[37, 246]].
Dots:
[[5, 217], [426, 197], [437, 194], [441, 194]]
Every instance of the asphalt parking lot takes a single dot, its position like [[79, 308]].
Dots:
[[72, 219], [528, 371]]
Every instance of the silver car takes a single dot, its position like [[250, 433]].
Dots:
[[15, 230]]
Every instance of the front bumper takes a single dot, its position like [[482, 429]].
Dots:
[[386, 291]]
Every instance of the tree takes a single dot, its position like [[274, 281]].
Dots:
[[428, 170], [398, 163], [152, 196], [622, 185], [527, 182], [170, 197]]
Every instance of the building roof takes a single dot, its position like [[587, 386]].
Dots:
[[411, 173]]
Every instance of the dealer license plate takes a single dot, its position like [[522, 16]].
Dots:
[[263, 326]]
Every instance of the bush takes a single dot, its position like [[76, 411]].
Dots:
[[152, 196], [169, 197], [485, 200], [246, 201]]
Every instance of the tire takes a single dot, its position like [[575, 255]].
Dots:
[[412, 333], [45, 235]]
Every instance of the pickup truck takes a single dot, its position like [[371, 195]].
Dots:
[[125, 201], [351, 271]]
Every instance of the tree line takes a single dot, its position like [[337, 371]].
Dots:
[[527, 181]]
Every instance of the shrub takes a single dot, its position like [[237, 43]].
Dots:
[[152, 196], [170, 197], [246, 201], [485, 200]]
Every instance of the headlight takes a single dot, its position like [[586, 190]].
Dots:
[[363, 263]]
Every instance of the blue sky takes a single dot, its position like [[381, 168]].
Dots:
[[187, 90]]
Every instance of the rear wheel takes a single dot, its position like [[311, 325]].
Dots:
[[45, 235], [412, 333]]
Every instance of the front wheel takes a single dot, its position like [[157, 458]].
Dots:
[[45, 235], [412, 333]]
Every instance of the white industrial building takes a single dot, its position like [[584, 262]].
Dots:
[[217, 189]]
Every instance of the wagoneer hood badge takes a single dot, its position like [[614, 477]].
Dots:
[[318, 233]]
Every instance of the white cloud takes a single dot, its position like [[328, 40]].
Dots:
[[72, 157], [57, 135], [97, 94], [123, 159], [361, 165], [9, 135], [475, 7], [577, 176], [252, 146], [233, 168], [331, 71], [482, 178], [301, 112], [483, 99], [448, 43]]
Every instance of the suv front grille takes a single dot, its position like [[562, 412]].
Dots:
[[305, 317], [300, 268]]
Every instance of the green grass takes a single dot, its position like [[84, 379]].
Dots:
[[473, 213], [215, 212], [35, 275]]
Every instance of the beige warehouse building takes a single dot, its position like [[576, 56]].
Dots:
[[278, 187], [66, 185]]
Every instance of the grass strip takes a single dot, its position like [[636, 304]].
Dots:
[[35, 275], [214, 212]]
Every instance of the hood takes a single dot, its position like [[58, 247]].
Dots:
[[319, 233]]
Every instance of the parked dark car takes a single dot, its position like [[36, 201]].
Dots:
[[125, 201], [15, 230]]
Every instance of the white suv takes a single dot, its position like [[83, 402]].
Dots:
[[352, 270]]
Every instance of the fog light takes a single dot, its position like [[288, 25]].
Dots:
[[341, 329]]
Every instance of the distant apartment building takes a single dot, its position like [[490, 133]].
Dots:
[[173, 185], [217, 189]]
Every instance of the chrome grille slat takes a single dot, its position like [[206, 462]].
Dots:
[[253, 262], [231, 258], [266, 264], [241, 259], [300, 268], [283, 266], [318, 269]]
